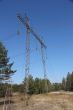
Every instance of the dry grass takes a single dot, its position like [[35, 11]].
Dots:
[[50, 101]]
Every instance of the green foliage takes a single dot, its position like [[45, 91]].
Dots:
[[15, 88], [30, 84], [18, 88], [37, 85], [57, 86], [63, 84], [67, 83], [71, 82], [2, 90], [5, 68]]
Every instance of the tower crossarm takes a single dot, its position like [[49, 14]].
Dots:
[[26, 23], [38, 38]]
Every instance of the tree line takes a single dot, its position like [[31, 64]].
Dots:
[[36, 85]]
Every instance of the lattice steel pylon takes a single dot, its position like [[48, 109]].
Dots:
[[44, 70], [27, 65], [29, 29]]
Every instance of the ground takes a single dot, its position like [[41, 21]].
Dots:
[[50, 101]]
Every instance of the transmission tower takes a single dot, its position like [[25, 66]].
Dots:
[[29, 29]]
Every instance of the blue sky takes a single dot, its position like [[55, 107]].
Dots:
[[52, 19]]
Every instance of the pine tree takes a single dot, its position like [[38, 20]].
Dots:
[[37, 88], [71, 79], [64, 84], [5, 66], [29, 84], [68, 82], [5, 69]]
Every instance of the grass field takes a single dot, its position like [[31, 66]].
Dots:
[[50, 101]]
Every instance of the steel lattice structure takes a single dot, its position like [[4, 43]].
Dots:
[[25, 21]]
